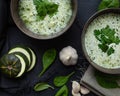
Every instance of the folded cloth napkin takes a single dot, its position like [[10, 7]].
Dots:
[[89, 81]]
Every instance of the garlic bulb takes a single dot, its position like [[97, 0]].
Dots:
[[75, 86], [75, 94], [84, 90], [68, 56]]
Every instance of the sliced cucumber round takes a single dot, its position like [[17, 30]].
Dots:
[[23, 65], [33, 60], [22, 50], [29, 53]]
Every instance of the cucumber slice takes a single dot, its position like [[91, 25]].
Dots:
[[33, 60], [23, 66], [29, 53], [23, 51], [25, 59]]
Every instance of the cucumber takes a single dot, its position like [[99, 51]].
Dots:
[[33, 61], [22, 50], [28, 52], [23, 66], [25, 59]]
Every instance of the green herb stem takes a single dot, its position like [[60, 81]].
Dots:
[[71, 74]]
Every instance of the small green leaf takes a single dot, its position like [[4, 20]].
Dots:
[[63, 91], [110, 51], [42, 86], [106, 80], [103, 47], [61, 80], [48, 58], [51, 8], [109, 4]]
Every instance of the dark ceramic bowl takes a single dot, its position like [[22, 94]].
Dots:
[[21, 26], [102, 69]]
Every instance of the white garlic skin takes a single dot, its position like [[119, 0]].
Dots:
[[68, 56], [84, 90], [75, 86], [75, 94]]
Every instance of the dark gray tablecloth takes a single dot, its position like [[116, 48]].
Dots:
[[10, 35]]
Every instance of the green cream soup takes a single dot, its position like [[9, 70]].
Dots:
[[102, 40]]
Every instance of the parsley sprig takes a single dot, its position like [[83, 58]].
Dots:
[[44, 8], [106, 36]]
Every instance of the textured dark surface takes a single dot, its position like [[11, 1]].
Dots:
[[12, 36]]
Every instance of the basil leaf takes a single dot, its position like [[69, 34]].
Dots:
[[109, 4], [106, 80], [61, 80], [42, 86], [63, 91], [48, 58]]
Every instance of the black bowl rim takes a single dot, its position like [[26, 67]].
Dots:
[[96, 66], [42, 37]]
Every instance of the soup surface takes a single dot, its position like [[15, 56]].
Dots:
[[30, 12], [102, 40]]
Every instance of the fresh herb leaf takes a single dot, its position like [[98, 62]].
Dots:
[[61, 80], [97, 34], [51, 8], [42, 86], [106, 80], [44, 8], [106, 36], [63, 91], [109, 4], [103, 47], [48, 58], [110, 51]]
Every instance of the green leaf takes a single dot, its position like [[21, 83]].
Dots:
[[42, 86], [106, 80], [109, 4], [48, 58], [51, 8], [97, 34], [110, 51], [103, 47], [106, 36], [44, 8], [63, 91], [62, 80]]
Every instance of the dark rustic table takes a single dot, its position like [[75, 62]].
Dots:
[[10, 36]]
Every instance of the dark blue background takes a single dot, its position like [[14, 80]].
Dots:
[[10, 35]]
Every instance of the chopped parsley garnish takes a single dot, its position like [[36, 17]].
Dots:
[[106, 36], [44, 8]]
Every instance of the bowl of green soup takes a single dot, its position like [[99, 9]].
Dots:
[[101, 41], [43, 19]]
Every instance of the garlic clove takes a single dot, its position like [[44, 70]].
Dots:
[[75, 94], [84, 90], [75, 86]]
